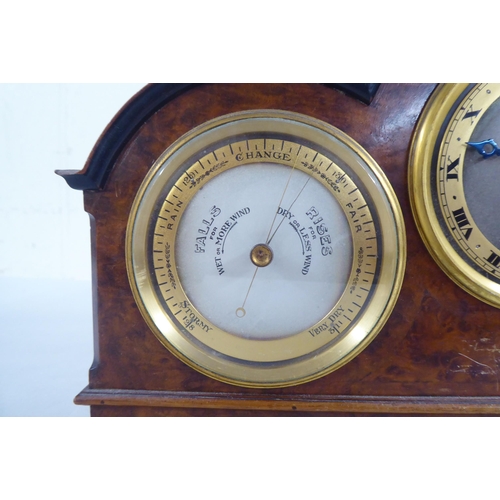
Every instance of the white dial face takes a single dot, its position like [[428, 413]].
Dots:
[[307, 236]]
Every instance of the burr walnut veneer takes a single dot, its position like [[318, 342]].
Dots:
[[438, 354]]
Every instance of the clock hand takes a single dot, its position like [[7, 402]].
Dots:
[[486, 148]]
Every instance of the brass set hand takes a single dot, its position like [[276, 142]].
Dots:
[[261, 254]]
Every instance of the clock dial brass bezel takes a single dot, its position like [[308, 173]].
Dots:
[[436, 188], [275, 362]]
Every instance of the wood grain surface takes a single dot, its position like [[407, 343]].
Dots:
[[439, 353]]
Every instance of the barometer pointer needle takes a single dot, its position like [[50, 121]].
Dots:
[[289, 208], [240, 312], [268, 239]]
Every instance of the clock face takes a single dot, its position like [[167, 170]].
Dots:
[[454, 172], [265, 249]]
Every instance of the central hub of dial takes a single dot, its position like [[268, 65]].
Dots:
[[261, 255]]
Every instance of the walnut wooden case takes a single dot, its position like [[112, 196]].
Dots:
[[439, 352]]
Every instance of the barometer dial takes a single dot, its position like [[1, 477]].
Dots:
[[265, 248]]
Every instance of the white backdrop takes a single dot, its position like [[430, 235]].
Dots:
[[45, 293]]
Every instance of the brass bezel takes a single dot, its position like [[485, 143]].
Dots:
[[380, 304], [438, 239]]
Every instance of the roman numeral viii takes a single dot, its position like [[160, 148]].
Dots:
[[462, 222]]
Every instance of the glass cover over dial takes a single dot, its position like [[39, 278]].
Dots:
[[265, 248], [454, 172]]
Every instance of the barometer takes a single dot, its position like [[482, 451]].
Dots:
[[265, 248], [454, 173]]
